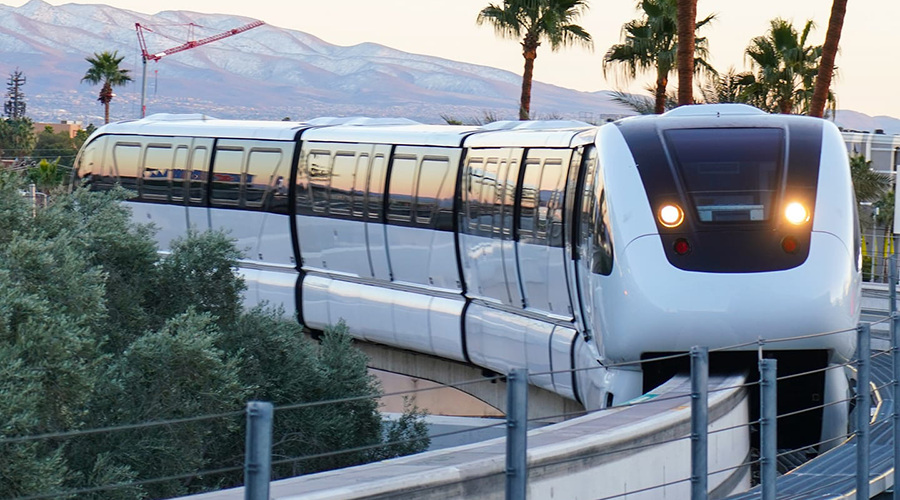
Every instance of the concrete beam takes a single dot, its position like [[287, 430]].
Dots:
[[542, 404]]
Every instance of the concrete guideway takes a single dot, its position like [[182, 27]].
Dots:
[[639, 445], [832, 475]]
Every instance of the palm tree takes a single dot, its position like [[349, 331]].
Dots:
[[651, 43], [687, 21], [785, 67], [868, 184], [727, 87], [534, 21], [105, 68], [829, 51]]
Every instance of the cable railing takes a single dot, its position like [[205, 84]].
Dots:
[[512, 379]]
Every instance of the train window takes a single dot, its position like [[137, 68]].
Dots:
[[359, 183], [199, 176], [550, 205], [472, 193], [156, 172], [375, 196], [318, 170], [529, 201], [432, 178], [262, 171], [509, 199], [179, 172], [403, 172], [126, 158], [730, 174], [602, 255], [226, 180], [343, 174], [541, 201], [489, 198]]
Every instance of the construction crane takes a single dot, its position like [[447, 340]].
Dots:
[[190, 44]]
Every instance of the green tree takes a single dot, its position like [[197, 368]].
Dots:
[[534, 22], [82, 135], [829, 52], [728, 87], [868, 184], [50, 146], [48, 176], [105, 69], [17, 137], [785, 67], [651, 43], [88, 341]]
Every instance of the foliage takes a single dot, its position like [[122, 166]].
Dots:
[[651, 44], [97, 330], [16, 138], [105, 69], [785, 68], [82, 135], [728, 87], [47, 176], [484, 119], [868, 184], [535, 22], [51, 145], [642, 104]]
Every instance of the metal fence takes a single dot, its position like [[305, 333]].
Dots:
[[259, 418]]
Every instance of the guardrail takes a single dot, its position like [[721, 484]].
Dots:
[[260, 415]]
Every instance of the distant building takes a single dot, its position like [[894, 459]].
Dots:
[[881, 149], [66, 126]]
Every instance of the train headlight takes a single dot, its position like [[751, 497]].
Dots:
[[796, 213], [671, 215]]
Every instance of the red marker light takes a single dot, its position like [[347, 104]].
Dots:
[[682, 247], [789, 244]]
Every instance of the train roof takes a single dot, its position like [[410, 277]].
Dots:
[[195, 125], [400, 131]]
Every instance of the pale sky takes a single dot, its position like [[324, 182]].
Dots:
[[869, 72]]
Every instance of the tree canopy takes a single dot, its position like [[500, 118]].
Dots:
[[97, 331]]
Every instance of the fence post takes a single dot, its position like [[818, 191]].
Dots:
[[895, 359], [699, 422], [258, 451], [516, 434], [863, 405], [768, 423]]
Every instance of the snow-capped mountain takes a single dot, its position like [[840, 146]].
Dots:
[[268, 72]]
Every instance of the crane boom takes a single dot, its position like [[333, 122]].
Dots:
[[190, 44]]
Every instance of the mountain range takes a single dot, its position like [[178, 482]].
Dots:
[[268, 73]]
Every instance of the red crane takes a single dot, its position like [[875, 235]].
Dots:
[[190, 44]]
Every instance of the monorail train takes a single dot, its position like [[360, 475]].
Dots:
[[546, 245]]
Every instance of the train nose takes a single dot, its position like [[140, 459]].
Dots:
[[671, 309]]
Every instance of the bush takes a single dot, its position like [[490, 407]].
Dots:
[[97, 330]]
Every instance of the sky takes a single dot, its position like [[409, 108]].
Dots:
[[868, 73]]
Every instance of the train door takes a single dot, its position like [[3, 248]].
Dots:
[[540, 248], [487, 225], [195, 181], [374, 177], [331, 191], [420, 238]]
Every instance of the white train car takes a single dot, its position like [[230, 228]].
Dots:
[[546, 245]]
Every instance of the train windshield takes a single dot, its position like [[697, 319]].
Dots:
[[729, 174]]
